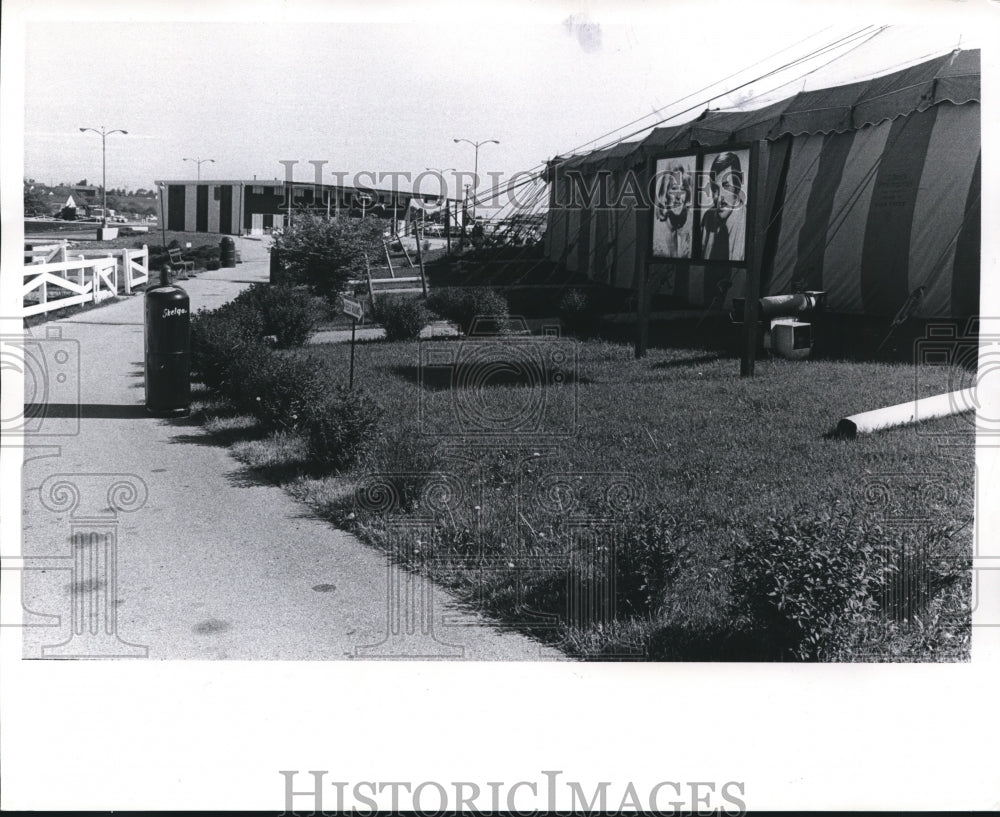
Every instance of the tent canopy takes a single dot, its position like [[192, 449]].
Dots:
[[953, 78], [872, 194]]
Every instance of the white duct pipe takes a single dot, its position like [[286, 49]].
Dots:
[[915, 411]]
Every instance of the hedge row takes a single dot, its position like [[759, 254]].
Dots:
[[478, 310], [238, 351]]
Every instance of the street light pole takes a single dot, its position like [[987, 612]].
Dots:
[[104, 134], [163, 219], [476, 170], [441, 171], [199, 162]]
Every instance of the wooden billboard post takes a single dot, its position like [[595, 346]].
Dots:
[[643, 255], [755, 220]]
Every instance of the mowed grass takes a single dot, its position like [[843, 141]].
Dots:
[[497, 468]]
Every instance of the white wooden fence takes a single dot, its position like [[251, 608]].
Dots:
[[55, 280]]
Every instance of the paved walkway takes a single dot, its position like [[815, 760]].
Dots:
[[210, 564]]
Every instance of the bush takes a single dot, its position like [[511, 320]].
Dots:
[[402, 318], [278, 390], [650, 551], [577, 313], [463, 306], [323, 254], [802, 583], [213, 264], [341, 427], [222, 337], [289, 313]]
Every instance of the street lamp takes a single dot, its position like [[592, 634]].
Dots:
[[476, 170], [163, 218], [444, 192], [104, 134], [441, 171], [199, 163]]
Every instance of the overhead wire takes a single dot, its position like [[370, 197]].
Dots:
[[864, 34]]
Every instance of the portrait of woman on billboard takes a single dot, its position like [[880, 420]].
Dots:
[[723, 200], [674, 216]]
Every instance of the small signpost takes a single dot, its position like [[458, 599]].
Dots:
[[356, 309]]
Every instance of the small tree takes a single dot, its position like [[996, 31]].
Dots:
[[325, 253], [34, 201]]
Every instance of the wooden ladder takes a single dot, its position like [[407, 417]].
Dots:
[[388, 286]]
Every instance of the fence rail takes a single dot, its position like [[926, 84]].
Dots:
[[53, 280]]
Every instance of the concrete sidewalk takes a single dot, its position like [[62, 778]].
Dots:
[[209, 563]]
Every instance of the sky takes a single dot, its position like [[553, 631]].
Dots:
[[389, 92]]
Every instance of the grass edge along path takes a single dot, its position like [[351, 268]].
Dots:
[[713, 475]]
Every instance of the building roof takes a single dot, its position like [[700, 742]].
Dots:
[[385, 191]]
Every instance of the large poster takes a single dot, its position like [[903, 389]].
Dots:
[[722, 200], [673, 225]]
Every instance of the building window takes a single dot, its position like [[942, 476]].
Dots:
[[258, 189], [279, 191]]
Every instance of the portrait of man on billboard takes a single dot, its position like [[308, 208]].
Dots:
[[723, 200], [674, 215]]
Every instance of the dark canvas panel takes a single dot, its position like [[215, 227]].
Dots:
[[885, 254]]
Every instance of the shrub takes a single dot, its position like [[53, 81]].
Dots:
[[213, 264], [577, 313], [651, 548], [403, 318], [289, 313], [222, 337], [341, 427], [277, 389], [802, 582], [324, 254], [463, 306]]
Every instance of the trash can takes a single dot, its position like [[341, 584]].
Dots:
[[168, 349], [227, 252]]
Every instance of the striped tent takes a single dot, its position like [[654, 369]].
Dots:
[[871, 192]]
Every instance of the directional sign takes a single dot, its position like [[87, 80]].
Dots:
[[352, 307]]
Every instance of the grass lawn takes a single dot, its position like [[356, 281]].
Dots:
[[154, 238], [523, 475]]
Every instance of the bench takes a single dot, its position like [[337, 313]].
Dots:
[[177, 262]]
